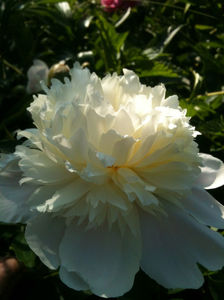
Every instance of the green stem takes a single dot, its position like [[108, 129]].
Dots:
[[12, 67], [215, 93]]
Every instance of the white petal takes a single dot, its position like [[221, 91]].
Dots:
[[7, 161], [158, 94], [162, 154], [108, 140], [123, 124], [141, 149], [171, 101], [171, 175], [80, 80], [106, 160], [122, 149], [43, 234], [13, 196], [105, 259], [33, 135], [95, 126], [173, 244], [65, 196], [75, 148], [112, 91], [73, 119], [70, 91], [212, 172], [35, 164], [73, 280], [204, 207], [94, 93], [130, 81], [144, 196], [41, 194], [40, 108], [108, 193]]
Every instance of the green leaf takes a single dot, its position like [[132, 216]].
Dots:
[[22, 251], [216, 288], [159, 69]]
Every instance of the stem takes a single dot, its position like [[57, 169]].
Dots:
[[215, 93], [12, 67]]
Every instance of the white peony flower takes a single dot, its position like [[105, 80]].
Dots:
[[110, 181], [64, 7], [37, 72]]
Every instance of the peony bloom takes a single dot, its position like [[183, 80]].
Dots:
[[37, 72], [111, 180], [112, 5], [64, 7]]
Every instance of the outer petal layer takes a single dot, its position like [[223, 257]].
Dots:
[[174, 244], [72, 280], [13, 197], [212, 172], [43, 234], [201, 205], [105, 259]]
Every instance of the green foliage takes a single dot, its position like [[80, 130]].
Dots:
[[179, 43], [22, 251]]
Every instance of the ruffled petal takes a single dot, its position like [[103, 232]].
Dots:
[[36, 165], [123, 124], [122, 149], [13, 196], [108, 140], [105, 259], [212, 172], [173, 244], [43, 234], [65, 196]]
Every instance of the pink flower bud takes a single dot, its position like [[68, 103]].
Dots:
[[112, 5]]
